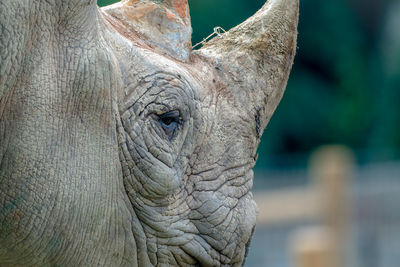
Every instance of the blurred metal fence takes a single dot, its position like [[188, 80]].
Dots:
[[288, 204]]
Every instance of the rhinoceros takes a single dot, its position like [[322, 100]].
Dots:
[[120, 145]]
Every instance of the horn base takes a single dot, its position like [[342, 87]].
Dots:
[[166, 26]]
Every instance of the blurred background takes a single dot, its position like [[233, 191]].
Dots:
[[335, 205]]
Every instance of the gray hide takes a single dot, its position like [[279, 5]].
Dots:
[[119, 145]]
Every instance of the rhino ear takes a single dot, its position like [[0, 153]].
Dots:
[[255, 58], [164, 25]]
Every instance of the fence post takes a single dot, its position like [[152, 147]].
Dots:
[[313, 247], [331, 169]]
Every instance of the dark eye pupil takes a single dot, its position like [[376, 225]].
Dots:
[[169, 122], [169, 117]]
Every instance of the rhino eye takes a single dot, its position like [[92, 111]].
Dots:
[[169, 122]]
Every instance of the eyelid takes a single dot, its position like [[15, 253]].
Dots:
[[173, 114]]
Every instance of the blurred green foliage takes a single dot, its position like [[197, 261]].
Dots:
[[344, 87]]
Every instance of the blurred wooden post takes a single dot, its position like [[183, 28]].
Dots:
[[331, 169], [314, 247]]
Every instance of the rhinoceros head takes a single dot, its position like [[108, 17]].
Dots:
[[119, 145]]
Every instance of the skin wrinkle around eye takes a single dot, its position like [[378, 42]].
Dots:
[[160, 152], [150, 219], [148, 169], [137, 105], [158, 79], [183, 201], [157, 139], [139, 160], [149, 147], [143, 179]]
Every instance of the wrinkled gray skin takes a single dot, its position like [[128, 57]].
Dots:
[[90, 175]]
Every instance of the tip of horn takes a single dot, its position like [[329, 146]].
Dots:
[[165, 25]]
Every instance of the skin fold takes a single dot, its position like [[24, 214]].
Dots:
[[118, 151]]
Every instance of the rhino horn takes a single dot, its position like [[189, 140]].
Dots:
[[255, 58], [164, 25]]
